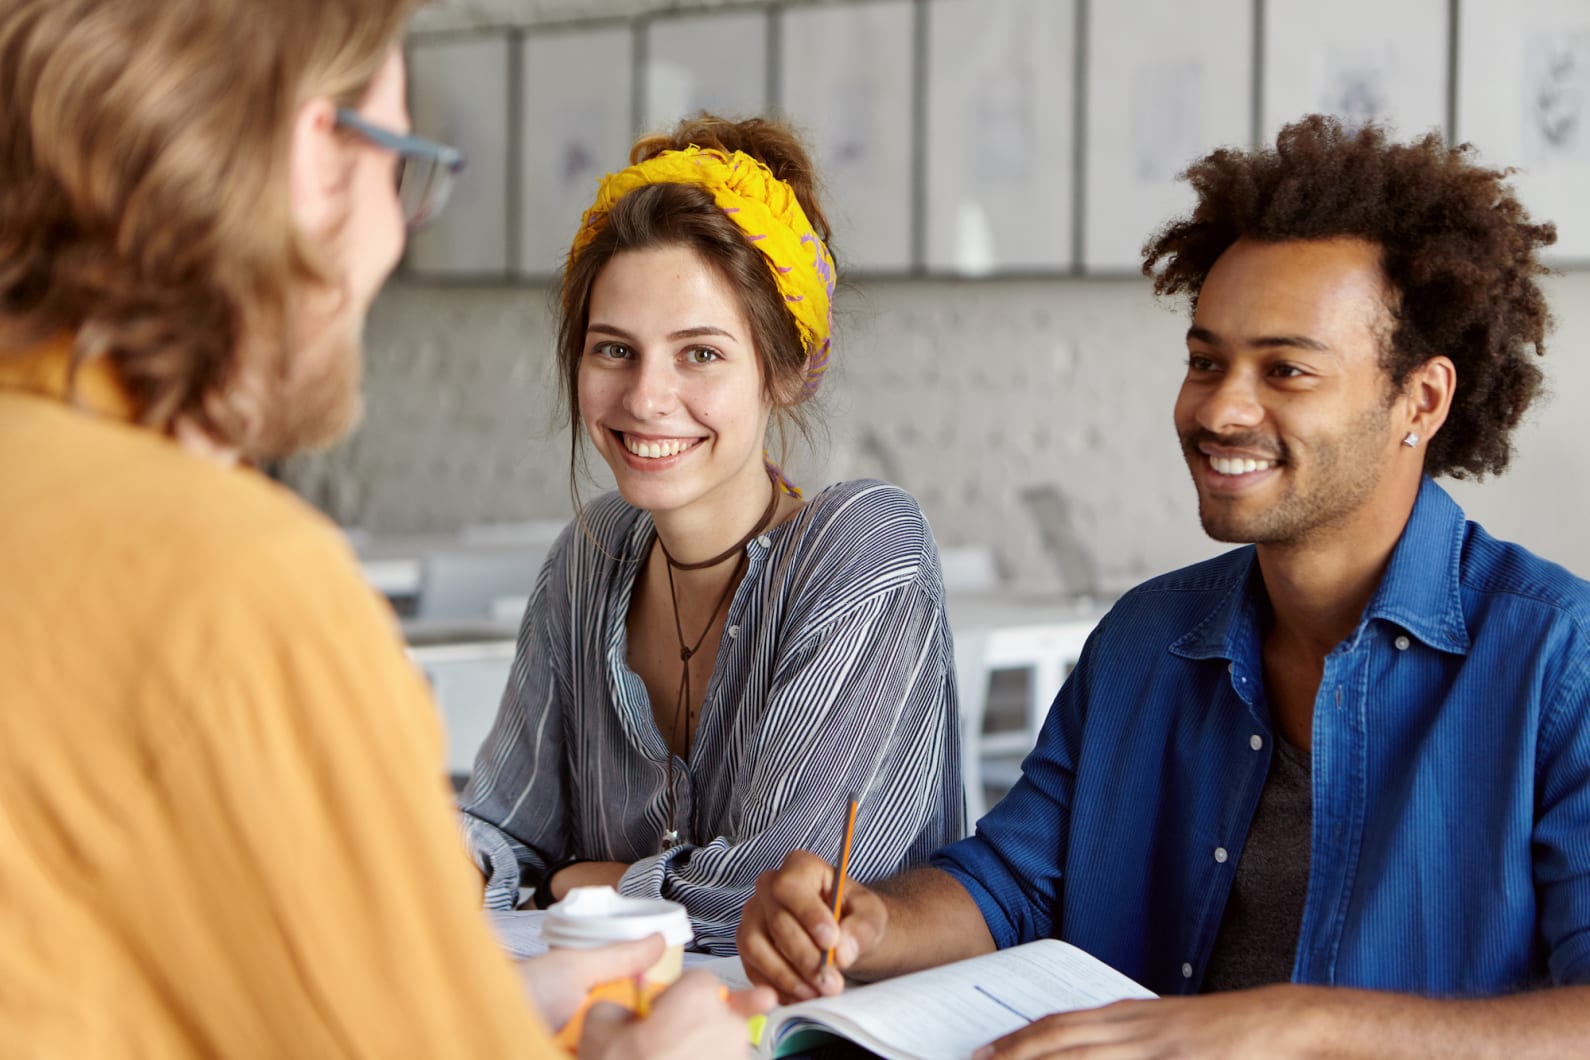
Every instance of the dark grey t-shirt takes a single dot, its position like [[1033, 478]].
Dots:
[[1258, 933]]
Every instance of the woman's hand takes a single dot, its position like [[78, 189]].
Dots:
[[586, 874], [559, 980], [691, 1020]]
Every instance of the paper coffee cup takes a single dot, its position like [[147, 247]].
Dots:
[[589, 917]]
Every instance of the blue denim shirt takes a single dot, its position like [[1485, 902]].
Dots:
[[1451, 778]]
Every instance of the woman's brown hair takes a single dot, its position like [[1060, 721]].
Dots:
[[144, 189], [666, 215]]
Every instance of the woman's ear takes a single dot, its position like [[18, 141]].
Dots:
[[788, 389], [315, 167]]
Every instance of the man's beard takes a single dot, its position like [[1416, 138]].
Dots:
[[1339, 472], [310, 397]]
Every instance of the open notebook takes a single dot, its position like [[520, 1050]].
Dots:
[[945, 1013]]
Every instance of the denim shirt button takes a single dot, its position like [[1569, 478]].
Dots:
[[764, 541], [1220, 855], [1256, 742], [1402, 643], [1186, 971]]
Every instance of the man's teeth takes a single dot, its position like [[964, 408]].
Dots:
[[657, 450], [1238, 465]]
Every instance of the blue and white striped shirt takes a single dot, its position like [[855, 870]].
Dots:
[[835, 675]]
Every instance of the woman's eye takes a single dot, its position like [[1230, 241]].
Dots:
[[702, 355], [1199, 363], [613, 350]]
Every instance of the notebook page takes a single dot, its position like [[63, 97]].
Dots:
[[945, 1013]]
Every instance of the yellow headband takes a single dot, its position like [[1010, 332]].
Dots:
[[766, 210]]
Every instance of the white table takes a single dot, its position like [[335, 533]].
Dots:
[[1043, 636]]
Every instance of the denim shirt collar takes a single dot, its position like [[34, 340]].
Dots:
[[1422, 588], [1420, 592]]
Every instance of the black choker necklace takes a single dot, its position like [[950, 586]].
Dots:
[[682, 709]]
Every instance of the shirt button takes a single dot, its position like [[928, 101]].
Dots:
[[1256, 742], [1402, 643], [764, 541], [1220, 855], [1186, 971], [734, 631]]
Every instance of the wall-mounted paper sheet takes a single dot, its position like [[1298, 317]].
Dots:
[[846, 81], [1360, 60], [1524, 101], [576, 128], [715, 62], [1000, 135], [1167, 82], [458, 93]]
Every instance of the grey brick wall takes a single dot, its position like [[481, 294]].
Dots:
[[1030, 415]]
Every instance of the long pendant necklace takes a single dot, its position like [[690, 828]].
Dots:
[[683, 710]]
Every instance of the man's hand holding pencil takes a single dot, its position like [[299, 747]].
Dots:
[[808, 924]]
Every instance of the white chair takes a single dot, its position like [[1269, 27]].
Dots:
[[971, 687], [1048, 651], [464, 582], [994, 635], [970, 569], [467, 679]]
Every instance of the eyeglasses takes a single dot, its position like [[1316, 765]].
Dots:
[[425, 168]]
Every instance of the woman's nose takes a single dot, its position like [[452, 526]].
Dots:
[[650, 393]]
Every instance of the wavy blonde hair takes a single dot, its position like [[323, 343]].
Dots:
[[144, 184]]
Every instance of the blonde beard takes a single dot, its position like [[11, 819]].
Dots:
[[303, 397], [317, 401]]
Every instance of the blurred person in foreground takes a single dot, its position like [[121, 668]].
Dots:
[[198, 201], [1338, 781]]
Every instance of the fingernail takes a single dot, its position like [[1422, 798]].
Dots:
[[846, 951], [832, 980], [824, 936]]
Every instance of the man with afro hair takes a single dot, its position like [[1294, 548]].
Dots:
[[1338, 778]]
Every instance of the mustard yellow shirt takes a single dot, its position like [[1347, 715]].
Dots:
[[208, 733]]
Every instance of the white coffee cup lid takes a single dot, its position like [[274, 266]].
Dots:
[[588, 917]]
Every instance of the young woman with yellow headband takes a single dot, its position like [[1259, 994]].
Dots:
[[711, 663]]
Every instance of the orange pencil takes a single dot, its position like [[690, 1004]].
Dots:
[[844, 866]]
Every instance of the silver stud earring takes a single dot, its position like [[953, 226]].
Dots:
[[1410, 440]]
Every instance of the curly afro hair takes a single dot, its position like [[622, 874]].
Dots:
[[1456, 245]]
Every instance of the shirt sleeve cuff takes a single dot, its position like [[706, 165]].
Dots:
[[645, 878], [495, 857], [981, 872]]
